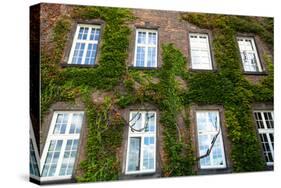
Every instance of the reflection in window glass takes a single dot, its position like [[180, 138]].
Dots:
[[141, 149], [249, 54], [208, 126]]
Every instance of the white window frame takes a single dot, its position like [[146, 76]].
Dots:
[[200, 49], [211, 166], [65, 137], [266, 131], [141, 135], [87, 42], [35, 148], [243, 39], [146, 46]]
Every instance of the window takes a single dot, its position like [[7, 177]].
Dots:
[[61, 145], [200, 51], [141, 151], [33, 164], [208, 127], [249, 55], [265, 125], [85, 45], [33, 156], [146, 48]]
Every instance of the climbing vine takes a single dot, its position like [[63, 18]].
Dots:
[[227, 87]]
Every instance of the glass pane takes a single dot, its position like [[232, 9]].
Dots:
[[203, 142], [69, 157], [78, 53], [134, 154], [140, 56], [217, 153], [141, 37], [207, 121], [249, 61], [83, 32], [150, 118], [151, 57], [60, 125], [53, 153], [148, 153], [152, 38], [91, 54], [95, 32], [136, 120], [259, 120], [76, 123], [33, 165]]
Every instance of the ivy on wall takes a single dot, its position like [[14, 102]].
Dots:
[[160, 87], [229, 86]]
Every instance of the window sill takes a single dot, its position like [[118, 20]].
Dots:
[[63, 65], [256, 73], [143, 68], [203, 70], [214, 171], [139, 176]]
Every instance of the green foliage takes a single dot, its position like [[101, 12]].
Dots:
[[103, 140], [229, 87], [160, 87], [179, 161]]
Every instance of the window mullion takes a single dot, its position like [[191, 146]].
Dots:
[[270, 145], [85, 52], [263, 120], [146, 49], [141, 153]]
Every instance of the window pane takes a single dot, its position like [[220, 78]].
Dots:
[[83, 32], [248, 55], [151, 56], [95, 32], [148, 153], [140, 57], [203, 142], [78, 53], [217, 153], [200, 52], [259, 120], [69, 157], [141, 37], [52, 156], [207, 121], [61, 123], [136, 120], [76, 124], [91, 54], [33, 165], [134, 154], [151, 38], [150, 118]]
